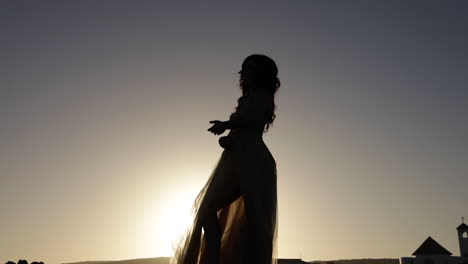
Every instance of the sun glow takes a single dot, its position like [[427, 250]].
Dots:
[[171, 218]]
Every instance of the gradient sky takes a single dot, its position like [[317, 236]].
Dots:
[[104, 109]]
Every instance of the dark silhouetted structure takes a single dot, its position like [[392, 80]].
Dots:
[[431, 252]]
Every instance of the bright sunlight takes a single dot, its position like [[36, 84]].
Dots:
[[172, 219]]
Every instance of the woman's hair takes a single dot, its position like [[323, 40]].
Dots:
[[264, 76]]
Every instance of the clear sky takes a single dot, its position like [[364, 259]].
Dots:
[[105, 106]]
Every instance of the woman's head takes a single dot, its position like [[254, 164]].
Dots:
[[259, 72]]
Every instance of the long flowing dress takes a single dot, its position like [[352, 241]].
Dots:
[[249, 224]]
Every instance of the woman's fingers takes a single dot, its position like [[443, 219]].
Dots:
[[216, 129], [216, 132]]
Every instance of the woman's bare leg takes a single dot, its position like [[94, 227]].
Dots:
[[213, 237], [208, 217]]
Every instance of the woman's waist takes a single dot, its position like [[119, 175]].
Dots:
[[252, 149], [247, 132], [246, 136]]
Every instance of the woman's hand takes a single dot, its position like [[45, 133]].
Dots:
[[218, 128]]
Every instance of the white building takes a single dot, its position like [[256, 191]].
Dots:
[[431, 252]]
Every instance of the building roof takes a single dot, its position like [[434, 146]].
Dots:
[[431, 247], [462, 226]]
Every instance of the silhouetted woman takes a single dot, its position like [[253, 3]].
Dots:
[[237, 207]]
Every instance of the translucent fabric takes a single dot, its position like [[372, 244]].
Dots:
[[249, 223]]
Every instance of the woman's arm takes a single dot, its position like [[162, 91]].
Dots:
[[237, 123], [220, 126], [251, 112]]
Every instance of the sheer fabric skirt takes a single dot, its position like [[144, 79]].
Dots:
[[248, 224]]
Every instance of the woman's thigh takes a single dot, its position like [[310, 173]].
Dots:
[[223, 190]]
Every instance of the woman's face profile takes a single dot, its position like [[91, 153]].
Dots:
[[247, 71]]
